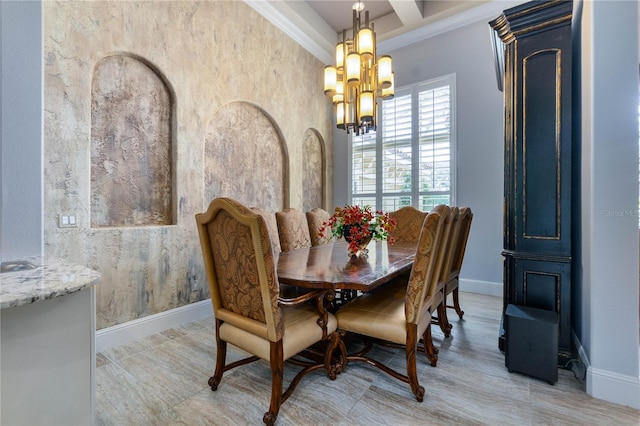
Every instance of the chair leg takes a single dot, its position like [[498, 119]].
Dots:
[[410, 350], [277, 366], [443, 320], [456, 303], [429, 349], [334, 368], [221, 357]]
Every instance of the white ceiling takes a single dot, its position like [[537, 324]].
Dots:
[[338, 14], [317, 24]]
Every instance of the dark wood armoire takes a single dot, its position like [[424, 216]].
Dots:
[[539, 157]]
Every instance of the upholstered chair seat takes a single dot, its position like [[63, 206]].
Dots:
[[382, 317], [301, 331]]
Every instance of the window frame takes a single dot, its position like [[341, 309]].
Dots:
[[415, 193]]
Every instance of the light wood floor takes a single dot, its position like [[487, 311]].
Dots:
[[162, 380]]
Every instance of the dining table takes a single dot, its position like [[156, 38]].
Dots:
[[329, 266]]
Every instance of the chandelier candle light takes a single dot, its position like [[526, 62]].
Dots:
[[358, 79]]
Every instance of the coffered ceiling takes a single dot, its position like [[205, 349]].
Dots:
[[317, 24]]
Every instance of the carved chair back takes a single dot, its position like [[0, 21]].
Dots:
[[466, 217], [272, 226], [240, 268], [293, 229], [408, 224], [425, 273], [315, 218]]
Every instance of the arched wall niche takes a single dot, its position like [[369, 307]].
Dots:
[[132, 144], [313, 171], [246, 158]]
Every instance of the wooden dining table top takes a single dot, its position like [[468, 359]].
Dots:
[[329, 266]]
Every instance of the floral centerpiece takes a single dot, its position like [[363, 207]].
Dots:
[[358, 225]]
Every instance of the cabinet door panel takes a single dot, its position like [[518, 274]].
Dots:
[[545, 285], [541, 146], [542, 174]]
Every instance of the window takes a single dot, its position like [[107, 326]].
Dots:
[[409, 159]]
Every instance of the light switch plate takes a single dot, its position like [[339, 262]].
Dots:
[[67, 221]]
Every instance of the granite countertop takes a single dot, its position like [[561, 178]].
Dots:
[[51, 278]]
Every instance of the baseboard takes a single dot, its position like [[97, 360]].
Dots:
[[582, 354], [609, 386], [579, 366], [123, 333], [490, 288], [613, 387]]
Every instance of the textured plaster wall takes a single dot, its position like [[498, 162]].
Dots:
[[253, 171], [212, 54], [313, 176]]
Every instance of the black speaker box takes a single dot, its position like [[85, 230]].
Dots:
[[532, 342]]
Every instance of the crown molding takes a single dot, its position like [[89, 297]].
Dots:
[[307, 28], [320, 44], [485, 11]]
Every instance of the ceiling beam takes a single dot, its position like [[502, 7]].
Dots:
[[433, 27], [408, 11]]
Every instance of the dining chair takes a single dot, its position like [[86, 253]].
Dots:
[[249, 314], [397, 288], [402, 320], [286, 291], [272, 226], [453, 278], [315, 218], [445, 261], [408, 224], [293, 229]]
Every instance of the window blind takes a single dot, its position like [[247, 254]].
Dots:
[[408, 161], [363, 159], [434, 139]]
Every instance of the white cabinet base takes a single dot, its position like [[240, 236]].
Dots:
[[47, 358]]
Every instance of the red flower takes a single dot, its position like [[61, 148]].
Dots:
[[360, 223]]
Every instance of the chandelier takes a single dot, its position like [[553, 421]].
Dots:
[[358, 79]]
